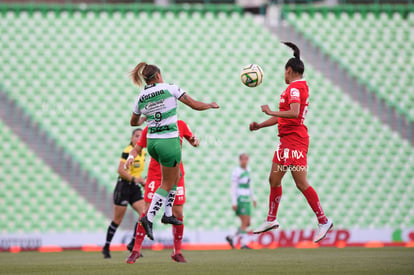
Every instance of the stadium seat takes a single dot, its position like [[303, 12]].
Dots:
[[36, 198], [369, 43], [75, 84]]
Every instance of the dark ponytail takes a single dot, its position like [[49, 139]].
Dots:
[[143, 71], [295, 62]]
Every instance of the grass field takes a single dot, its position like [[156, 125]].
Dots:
[[278, 261]]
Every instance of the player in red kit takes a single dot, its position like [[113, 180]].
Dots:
[[152, 183], [293, 146]]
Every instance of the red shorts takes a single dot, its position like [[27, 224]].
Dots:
[[292, 150], [152, 185]]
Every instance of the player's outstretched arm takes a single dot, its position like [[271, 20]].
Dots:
[[292, 113], [254, 126], [197, 105]]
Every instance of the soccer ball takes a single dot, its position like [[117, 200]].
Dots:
[[252, 75]]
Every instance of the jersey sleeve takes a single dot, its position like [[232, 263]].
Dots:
[[176, 91], [125, 154], [135, 107], [143, 139], [293, 95], [234, 183], [184, 129]]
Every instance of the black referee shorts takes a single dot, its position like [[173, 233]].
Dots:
[[126, 192]]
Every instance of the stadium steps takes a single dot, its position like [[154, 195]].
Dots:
[[34, 198], [57, 158], [340, 75], [88, 54]]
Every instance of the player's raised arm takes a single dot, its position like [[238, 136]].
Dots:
[[254, 126], [197, 105], [292, 113]]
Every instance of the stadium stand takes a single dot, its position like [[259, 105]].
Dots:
[[375, 46], [34, 198], [69, 70]]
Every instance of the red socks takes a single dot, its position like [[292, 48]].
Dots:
[[313, 200], [274, 200], [178, 231], [140, 235], [310, 195]]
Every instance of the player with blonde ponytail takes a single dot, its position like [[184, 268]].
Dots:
[[157, 104]]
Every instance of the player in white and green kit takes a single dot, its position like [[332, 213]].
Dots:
[[242, 196], [157, 104]]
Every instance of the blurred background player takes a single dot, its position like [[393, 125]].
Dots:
[[152, 183], [293, 147], [242, 196], [127, 190], [158, 103]]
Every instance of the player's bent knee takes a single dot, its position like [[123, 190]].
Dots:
[[302, 186]]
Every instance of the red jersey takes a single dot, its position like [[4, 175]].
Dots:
[[297, 91], [154, 169]]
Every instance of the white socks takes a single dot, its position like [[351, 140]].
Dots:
[[157, 202], [160, 198], [170, 201]]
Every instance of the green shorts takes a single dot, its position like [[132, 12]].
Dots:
[[244, 206], [166, 151]]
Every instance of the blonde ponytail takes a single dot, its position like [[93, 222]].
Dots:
[[136, 73], [143, 71]]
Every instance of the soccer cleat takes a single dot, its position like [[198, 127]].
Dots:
[[133, 257], [230, 241], [105, 252], [266, 226], [246, 247], [171, 220], [179, 258], [323, 230], [147, 227]]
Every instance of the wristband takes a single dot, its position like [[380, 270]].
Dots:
[[130, 157]]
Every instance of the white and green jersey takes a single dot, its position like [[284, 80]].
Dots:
[[158, 102], [241, 187]]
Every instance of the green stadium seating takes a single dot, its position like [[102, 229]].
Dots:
[[69, 71], [34, 198], [374, 46]]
